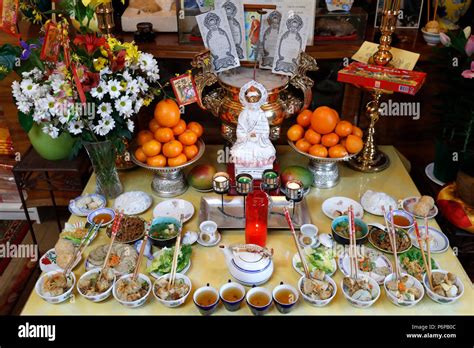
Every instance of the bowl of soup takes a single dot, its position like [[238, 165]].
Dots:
[[163, 231], [340, 230]]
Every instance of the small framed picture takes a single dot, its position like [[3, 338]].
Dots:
[[184, 89], [253, 28], [409, 17]]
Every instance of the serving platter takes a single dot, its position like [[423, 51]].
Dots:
[[233, 215], [408, 204], [174, 208], [439, 244], [133, 202], [337, 206], [74, 204], [48, 261]]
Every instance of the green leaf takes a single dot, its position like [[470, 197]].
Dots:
[[26, 121], [8, 57]]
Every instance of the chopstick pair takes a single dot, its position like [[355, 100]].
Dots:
[[142, 250], [352, 244], [392, 235], [427, 263], [298, 248], [177, 248], [114, 230]]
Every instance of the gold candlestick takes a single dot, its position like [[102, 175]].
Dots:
[[105, 18], [391, 10], [371, 159]]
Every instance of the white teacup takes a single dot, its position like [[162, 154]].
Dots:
[[309, 230], [208, 231]]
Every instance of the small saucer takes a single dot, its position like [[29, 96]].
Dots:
[[203, 243]]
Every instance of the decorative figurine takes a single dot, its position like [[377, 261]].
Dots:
[[253, 151]]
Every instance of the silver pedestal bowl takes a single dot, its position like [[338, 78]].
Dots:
[[325, 170], [169, 181]]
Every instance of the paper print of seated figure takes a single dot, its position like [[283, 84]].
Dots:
[[219, 43], [270, 38], [253, 148], [291, 42]]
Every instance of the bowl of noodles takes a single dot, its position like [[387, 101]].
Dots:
[[55, 287], [132, 293]]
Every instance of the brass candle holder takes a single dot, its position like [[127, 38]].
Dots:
[[371, 159], [105, 18]]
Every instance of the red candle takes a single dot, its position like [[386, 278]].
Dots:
[[256, 217]]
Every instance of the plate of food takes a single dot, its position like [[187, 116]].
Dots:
[[420, 207], [123, 258], [133, 202], [412, 263], [57, 258], [338, 206], [76, 232], [131, 229], [380, 239], [439, 243], [174, 208], [162, 259], [372, 202], [372, 263], [86, 204], [321, 258]]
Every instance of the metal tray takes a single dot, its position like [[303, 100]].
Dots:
[[210, 209]]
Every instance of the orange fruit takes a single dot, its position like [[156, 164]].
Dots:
[[167, 113], [164, 134], [140, 155], [312, 137], [343, 128], [172, 149], [304, 118], [156, 161], [196, 128], [337, 151], [354, 144], [188, 138], [357, 131], [324, 120], [318, 150], [295, 132], [343, 142], [151, 148], [177, 161], [190, 151], [330, 139], [144, 136], [303, 145], [153, 125], [179, 128]]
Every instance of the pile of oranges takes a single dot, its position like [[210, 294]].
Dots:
[[169, 141], [322, 134]]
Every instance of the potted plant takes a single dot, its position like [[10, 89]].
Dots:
[[455, 141]]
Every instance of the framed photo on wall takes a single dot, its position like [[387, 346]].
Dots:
[[184, 89], [410, 13]]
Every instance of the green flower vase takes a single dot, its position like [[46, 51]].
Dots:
[[49, 148]]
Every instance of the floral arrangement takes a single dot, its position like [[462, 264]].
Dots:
[[96, 101]]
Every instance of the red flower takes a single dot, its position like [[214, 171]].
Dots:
[[90, 80], [90, 41], [118, 62]]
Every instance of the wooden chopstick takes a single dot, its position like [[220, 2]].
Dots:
[[142, 250], [114, 231], [177, 249], [420, 243], [394, 233], [81, 246], [298, 248], [428, 249]]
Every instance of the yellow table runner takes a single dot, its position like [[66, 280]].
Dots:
[[208, 264]]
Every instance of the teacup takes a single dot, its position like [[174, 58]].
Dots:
[[208, 232], [309, 230], [285, 297], [259, 300], [232, 294], [206, 299]]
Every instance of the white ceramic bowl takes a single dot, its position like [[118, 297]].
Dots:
[[363, 304], [99, 297], [431, 39], [173, 303], [106, 211], [140, 301], [441, 299], [318, 303], [399, 302], [55, 299], [309, 230]]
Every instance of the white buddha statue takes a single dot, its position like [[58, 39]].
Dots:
[[253, 152]]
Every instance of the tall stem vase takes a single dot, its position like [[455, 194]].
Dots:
[[103, 155]]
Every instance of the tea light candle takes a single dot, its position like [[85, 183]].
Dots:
[[243, 183], [270, 179], [220, 182], [294, 190]]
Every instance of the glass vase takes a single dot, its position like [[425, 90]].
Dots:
[[103, 155]]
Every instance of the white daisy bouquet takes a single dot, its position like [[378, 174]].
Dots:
[[115, 81]]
